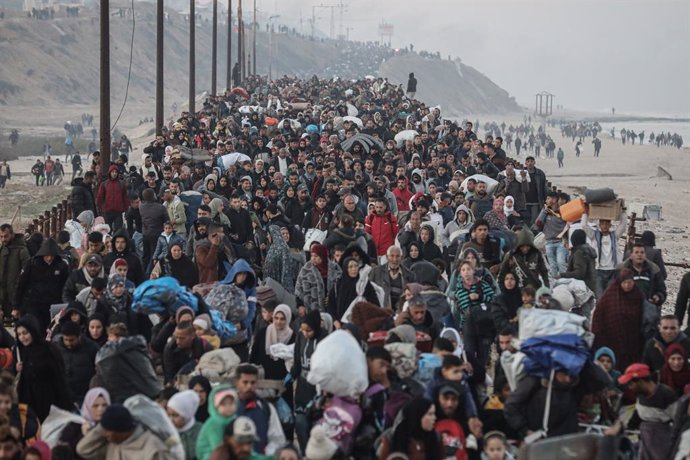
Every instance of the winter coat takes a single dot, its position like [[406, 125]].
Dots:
[[527, 267], [176, 214], [153, 216], [164, 242], [240, 225], [40, 285], [379, 275], [211, 434], [76, 282], [515, 189], [383, 230], [112, 195], [524, 409], [175, 359], [182, 269], [12, 258], [538, 181], [135, 272], [649, 279], [581, 266], [655, 348], [142, 444], [454, 228], [80, 367], [683, 298], [249, 288], [81, 197], [343, 236], [310, 287]]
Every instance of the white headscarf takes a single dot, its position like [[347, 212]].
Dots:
[[273, 335], [185, 403], [508, 210]]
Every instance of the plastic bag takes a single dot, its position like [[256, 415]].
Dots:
[[537, 322], [154, 419], [55, 423], [162, 295], [338, 366], [224, 328]]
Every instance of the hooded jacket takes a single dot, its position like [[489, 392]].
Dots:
[[135, 272], [418, 186], [211, 434], [13, 257], [81, 197], [454, 228], [40, 284], [141, 444], [249, 287], [176, 214], [527, 267], [582, 261], [383, 230], [112, 194]]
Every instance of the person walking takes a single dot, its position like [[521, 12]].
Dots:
[[411, 86], [13, 256], [560, 156], [112, 199], [5, 173]]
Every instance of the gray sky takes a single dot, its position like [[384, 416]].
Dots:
[[593, 55]]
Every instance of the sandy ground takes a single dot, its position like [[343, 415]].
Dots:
[[631, 170]]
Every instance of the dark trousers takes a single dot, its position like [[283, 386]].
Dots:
[[149, 246], [3, 179], [114, 220]]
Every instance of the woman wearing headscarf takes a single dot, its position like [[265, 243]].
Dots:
[[676, 371], [178, 265], [430, 250], [97, 399], [621, 320], [40, 369], [181, 408], [278, 331], [95, 329], [505, 306], [202, 387], [279, 264], [217, 214], [350, 286], [306, 341], [414, 436], [413, 254], [117, 302], [512, 216], [317, 278]]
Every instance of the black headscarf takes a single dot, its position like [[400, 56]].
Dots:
[[411, 428], [202, 412], [346, 290]]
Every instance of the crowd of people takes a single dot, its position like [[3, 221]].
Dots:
[[256, 233]]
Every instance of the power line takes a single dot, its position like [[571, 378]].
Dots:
[[129, 72]]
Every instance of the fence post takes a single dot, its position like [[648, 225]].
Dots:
[[46, 224], [53, 222]]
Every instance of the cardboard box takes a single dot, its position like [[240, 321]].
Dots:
[[610, 210]]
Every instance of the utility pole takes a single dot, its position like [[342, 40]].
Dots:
[[313, 20], [270, 45], [228, 75], [254, 41], [239, 40], [192, 56], [160, 17], [105, 87], [214, 48]]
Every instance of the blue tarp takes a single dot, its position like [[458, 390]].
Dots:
[[563, 352], [162, 295]]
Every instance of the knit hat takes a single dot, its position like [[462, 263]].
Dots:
[[117, 418], [120, 263], [320, 447], [626, 274], [202, 323]]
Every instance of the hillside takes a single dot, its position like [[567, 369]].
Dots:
[[458, 88], [53, 74]]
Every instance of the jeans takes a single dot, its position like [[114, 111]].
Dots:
[[604, 277], [557, 256]]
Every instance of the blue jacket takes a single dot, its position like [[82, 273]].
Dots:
[[249, 287]]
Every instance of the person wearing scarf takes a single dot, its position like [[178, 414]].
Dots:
[[414, 253], [117, 302], [348, 288], [414, 435], [617, 318], [279, 264], [316, 278], [676, 371], [178, 265], [181, 409], [202, 387], [95, 402], [505, 306], [278, 331], [512, 216]]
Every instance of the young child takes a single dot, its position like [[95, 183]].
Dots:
[[607, 358], [496, 447], [181, 409], [528, 295], [117, 331], [202, 327], [165, 239], [121, 267], [22, 420], [222, 409]]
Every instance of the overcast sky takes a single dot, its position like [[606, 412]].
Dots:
[[593, 55]]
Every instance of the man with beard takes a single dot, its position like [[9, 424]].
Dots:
[[382, 226], [240, 222], [80, 279], [402, 194]]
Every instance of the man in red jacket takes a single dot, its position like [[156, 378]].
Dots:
[[383, 227], [403, 195], [112, 199]]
